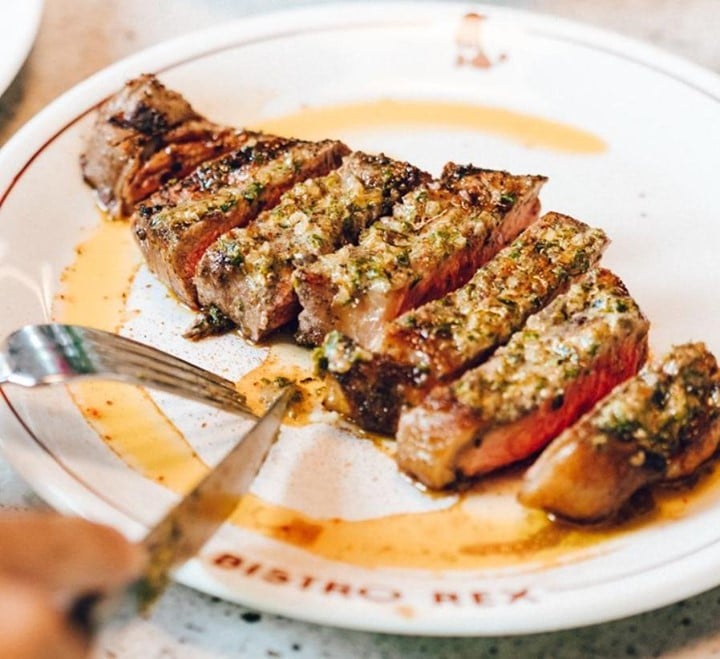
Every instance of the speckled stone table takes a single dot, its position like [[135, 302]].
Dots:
[[79, 37]]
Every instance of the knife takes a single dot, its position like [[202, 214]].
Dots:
[[183, 531]]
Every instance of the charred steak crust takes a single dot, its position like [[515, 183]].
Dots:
[[568, 356], [247, 272], [237, 166], [660, 425], [368, 388], [214, 176], [436, 238], [144, 136]]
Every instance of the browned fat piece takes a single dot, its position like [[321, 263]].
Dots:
[[433, 242], [144, 136], [441, 339], [176, 226], [568, 356], [247, 273], [660, 425]]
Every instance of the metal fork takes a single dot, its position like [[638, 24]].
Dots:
[[53, 354]]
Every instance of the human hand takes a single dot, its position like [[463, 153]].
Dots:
[[47, 562]]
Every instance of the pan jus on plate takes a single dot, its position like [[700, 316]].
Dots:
[[443, 311]]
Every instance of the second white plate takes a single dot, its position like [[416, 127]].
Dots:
[[19, 22]]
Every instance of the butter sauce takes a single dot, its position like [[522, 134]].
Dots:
[[524, 129], [285, 363], [468, 534], [452, 538], [94, 291]]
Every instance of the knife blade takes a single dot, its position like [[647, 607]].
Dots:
[[183, 531], [188, 525]]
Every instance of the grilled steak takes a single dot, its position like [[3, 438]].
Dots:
[[247, 272], [216, 174], [569, 356], [367, 388], [228, 192], [144, 136], [436, 238], [441, 339], [449, 335], [660, 425]]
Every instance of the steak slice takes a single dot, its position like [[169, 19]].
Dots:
[[247, 272], [443, 338], [569, 356], [368, 388], [144, 136], [436, 238], [230, 169], [219, 196], [458, 331], [660, 425]]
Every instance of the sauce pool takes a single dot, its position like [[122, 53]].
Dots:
[[527, 130]]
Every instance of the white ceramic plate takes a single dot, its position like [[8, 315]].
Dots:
[[18, 25], [646, 174]]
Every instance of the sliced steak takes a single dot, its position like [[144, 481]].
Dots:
[[568, 356], [443, 338], [434, 241], [660, 425], [247, 272], [458, 331], [231, 169], [144, 136], [230, 192], [368, 388]]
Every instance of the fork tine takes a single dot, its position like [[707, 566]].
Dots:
[[133, 361], [171, 378], [148, 361], [221, 400], [203, 391], [144, 351], [198, 389]]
